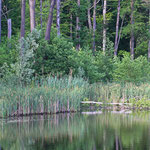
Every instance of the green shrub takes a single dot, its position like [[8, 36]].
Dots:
[[86, 61], [8, 52], [104, 64], [137, 70], [54, 57]]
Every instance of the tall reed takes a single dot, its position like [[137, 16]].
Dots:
[[49, 95], [54, 95], [119, 92]]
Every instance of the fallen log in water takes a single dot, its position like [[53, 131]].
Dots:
[[100, 103]]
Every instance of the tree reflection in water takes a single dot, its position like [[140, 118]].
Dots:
[[104, 131]]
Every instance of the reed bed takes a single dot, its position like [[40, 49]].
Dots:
[[49, 95], [120, 92], [54, 95]]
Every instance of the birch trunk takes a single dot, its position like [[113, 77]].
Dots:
[[41, 19], [132, 30], [94, 26], [149, 39], [78, 29], [23, 7], [0, 19], [89, 16], [104, 25], [58, 18], [117, 143], [117, 29], [71, 26], [32, 14], [50, 19], [9, 28]]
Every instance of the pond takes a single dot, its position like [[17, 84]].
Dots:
[[97, 131]]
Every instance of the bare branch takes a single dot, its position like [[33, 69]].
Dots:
[[4, 14], [96, 4], [120, 30]]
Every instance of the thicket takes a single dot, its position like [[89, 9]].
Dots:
[[33, 57]]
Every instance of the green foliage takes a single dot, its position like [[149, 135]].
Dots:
[[144, 102], [8, 53], [132, 70], [105, 66], [54, 57], [86, 61], [26, 47], [21, 71]]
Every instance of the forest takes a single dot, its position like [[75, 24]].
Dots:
[[56, 53], [103, 40]]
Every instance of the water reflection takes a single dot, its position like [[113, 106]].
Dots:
[[104, 131]]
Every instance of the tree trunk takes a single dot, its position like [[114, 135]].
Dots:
[[78, 29], [41, 14], [104, 25], [132, 31], [0, 19], [149, 39], [50, 19], [71, 26], [94, 26], [58, 18], [117, 143], [117, 29], [89, 16], [23, 8], [32, 14], [9, 28], [120, 31]]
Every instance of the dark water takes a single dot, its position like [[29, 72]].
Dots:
[[105, 131]]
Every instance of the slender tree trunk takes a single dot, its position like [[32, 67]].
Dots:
[[149, 39], [104, 25], [32, 14], [89, 16], [94, 26], [117, 143], [58, 18], [9, 33], [120, 31], [71, 26], [0, 18], [117, 29], [23, 8], [9, 28], [132, 30], [41, 3], [50, 20], [78, 29]]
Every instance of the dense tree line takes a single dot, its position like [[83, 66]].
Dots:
[[99, 30]]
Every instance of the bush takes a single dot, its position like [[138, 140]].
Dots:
[[137, 70], [54, 57], [8, 53], [85, 65], [21, 71], [105, 66]]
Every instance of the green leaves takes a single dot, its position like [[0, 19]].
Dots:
[[132, 70], [23, 67]]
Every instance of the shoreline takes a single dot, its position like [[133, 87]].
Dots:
[[88, 111]]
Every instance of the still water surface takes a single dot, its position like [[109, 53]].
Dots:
[[104, 131]]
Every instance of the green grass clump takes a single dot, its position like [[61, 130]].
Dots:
[[54, 95], [49, 95], [120, 92]]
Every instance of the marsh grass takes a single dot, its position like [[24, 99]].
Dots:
[[55, 95], [120, 92], [49, 95]]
